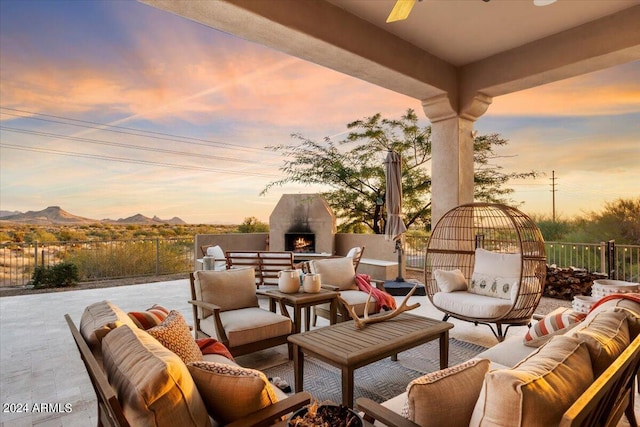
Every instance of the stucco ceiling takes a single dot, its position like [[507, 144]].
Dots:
[[465, 31]]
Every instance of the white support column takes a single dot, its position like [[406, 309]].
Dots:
[[452, 167]]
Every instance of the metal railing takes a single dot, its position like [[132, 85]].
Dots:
[[113, 259], [616, 261], [97, 260]]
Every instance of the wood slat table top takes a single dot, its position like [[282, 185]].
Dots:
[[345, 345], [300, 297]]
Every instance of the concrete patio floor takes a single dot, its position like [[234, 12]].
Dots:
[[39, 363]]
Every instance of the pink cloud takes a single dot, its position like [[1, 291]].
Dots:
[[601, 93]]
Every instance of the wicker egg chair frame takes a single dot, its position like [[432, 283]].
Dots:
[[496, 228]]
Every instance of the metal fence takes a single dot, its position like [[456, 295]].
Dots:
[[112, 259], [97, 260], [617, 261]]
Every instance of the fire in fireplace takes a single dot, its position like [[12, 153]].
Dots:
[[300, 242]]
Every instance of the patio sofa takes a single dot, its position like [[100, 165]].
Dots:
[[569, 369], [139, 381]]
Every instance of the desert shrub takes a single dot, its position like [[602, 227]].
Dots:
[[132, 258], [55, 276]]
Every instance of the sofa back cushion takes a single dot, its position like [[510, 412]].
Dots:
[[336, 272], [626, 303], [229, 289], [153, 385], [97, 320], [231, 391], [606, 335], [495, 274], [430, 398], [539, 389]]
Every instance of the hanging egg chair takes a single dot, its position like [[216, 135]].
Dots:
[[486, 264]]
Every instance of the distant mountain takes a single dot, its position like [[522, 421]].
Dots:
[[8, 213], [50, 215], [141, 219], [57, 215]]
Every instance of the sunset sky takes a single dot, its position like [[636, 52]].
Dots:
[[112, 108]]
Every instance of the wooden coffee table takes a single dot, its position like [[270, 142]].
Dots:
[[301, 300], [348, 348]]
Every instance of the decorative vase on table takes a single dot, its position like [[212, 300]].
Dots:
[[288, 281], [311, 283]]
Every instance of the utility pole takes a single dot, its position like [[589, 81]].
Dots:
[[553, 193]]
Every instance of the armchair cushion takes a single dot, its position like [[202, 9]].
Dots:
[[539, 389], [358, 300], [153, 385], [174, 334], [230, 391], [430, 397], [248, 325], [495, 274], [336, 272], [450, 280], [228, 289]]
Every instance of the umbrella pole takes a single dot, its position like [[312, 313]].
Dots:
[[399, 250]]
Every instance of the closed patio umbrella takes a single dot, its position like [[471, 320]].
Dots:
[[395, 227]]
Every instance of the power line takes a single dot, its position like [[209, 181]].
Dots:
[[120, 144], [130, 131], [126, 160]]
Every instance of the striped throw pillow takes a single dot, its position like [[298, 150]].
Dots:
[[151, 317], [557, 322]]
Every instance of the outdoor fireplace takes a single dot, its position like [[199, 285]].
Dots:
[[302, 223], [300, 242]]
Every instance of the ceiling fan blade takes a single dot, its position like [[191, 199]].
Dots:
[[401, 10]]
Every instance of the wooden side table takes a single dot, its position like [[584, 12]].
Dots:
[[301, 300]]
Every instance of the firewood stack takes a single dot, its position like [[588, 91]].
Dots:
[[565, 283]]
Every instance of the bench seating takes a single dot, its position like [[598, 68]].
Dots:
[[266, 264]]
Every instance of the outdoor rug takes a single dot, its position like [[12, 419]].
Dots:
[[378, 381]]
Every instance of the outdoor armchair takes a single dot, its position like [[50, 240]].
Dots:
[[225, 307], [339, 274]]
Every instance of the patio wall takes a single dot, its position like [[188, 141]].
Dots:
[[232, 242], [376, 247]]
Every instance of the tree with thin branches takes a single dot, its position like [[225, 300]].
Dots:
[[354, 171]]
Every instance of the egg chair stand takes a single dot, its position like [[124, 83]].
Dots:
[[485, 263]]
